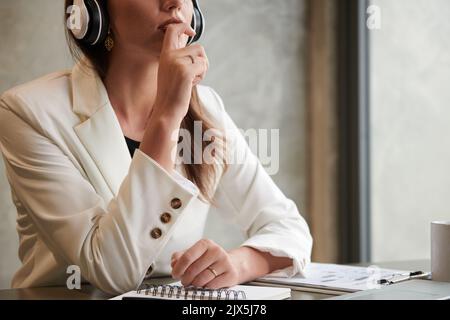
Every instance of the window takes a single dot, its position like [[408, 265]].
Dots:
[[409, 128]]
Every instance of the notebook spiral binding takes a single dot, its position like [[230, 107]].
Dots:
[[181, 292]]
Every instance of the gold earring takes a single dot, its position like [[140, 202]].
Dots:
[[109, 42]]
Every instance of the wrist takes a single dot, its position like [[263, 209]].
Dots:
[[165, 120], [169, 115], [162, 129], [160, 140], [250, 263]]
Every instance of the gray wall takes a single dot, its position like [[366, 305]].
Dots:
[[33, 44], [410, 129], [256, 52]]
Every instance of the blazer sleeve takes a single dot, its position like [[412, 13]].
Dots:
[[271, 222], [113, 243]]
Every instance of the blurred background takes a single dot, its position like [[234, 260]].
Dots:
[[357, 89]]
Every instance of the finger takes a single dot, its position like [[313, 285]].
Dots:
[[210, 257], [175, 257], [197, 80], [195, 51], [192, 254], [222, 281], [173, 33], [197, 69], [206, 276], [200, 66]]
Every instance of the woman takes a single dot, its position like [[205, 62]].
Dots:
[[89, 157]]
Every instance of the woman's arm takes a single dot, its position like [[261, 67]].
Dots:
[[278, 236], [177, 74], [252, 263], [112, 243]]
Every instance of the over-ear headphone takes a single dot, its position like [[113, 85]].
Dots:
[[94, 22], [198, 23]]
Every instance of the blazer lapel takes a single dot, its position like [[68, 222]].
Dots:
[[99, 131]]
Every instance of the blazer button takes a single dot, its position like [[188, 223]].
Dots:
[[156, 233], [175, 203], [166, 217]]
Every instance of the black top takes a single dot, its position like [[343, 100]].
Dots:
[[132, 145]]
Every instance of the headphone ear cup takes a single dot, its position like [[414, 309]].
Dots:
[[98, 23], [198, 23], [79, 19]]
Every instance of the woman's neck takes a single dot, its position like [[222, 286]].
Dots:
[[131, 82]]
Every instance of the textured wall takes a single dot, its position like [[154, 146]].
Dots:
[[256, 52], [33, 41], [33, 44], [410, 126]]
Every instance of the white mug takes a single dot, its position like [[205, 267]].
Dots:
[[440, 251]]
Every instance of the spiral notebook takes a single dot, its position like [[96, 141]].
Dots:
[[175, 291]]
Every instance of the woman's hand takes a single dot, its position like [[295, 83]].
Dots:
[[180, 68], [176, 77], [237, 266], [191, 266]]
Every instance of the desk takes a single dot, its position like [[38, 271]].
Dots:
[[88, 292]]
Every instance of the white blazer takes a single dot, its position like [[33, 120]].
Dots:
[[82, 200]]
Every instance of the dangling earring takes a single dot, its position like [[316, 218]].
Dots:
[[109, 41]]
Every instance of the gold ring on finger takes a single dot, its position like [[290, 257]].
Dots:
[[213, 271]]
